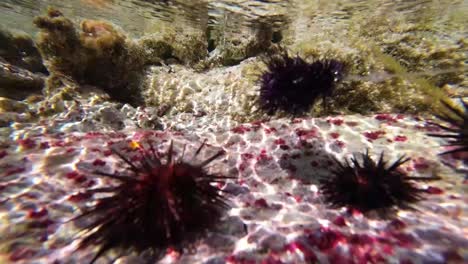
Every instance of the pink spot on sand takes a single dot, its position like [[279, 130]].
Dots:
[[240, 129], [37, 214], [99, 162], [373, 135], [400, 138], [434, 190], [306, 133], [306, 251], [335, 121], [325, 238], [26, 143], [385, 117], [79, 197]]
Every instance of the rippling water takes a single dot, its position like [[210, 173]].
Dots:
[[137, 16]]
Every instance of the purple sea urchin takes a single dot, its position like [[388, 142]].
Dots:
[[371, 185], [294, 85], [457, 130], [157, 203]]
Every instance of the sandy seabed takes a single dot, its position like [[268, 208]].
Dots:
[[277, 214]]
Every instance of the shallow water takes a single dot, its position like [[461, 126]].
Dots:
[[98, 95]]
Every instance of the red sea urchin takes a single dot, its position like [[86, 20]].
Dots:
[[294, 85], [158, 203], [370, 186], [458, 129]]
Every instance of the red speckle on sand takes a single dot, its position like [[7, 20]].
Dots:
[[307, 252], [340, 143], [354, 212], [284, 147], [352, 123], [261, 203], [242, 166], [405, 240], [373, 135], [93, 135], [107, 152], [420, 164], [306, 133], [12, 171], [72, 174], [37, 214], [263, 156], [80, 179], [269, 130], [385, 117], [334, 135], [98, 162], [70, 150], [22, 253], [339, 221], [434, 190], [279, 141], [79, 197], [400, 138], [26, 143], [336, 121], [44, 145], [3, 154], [361, 239], [396, 224], [247, 156], [240, 129], [296, 120], [325, 239]]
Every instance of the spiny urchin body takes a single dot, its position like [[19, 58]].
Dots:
[[456, 130], [158, 203], [294, 85], [370, 185]]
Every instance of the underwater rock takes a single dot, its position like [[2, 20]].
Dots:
[[18, 48], [97, 54], [18, 83]]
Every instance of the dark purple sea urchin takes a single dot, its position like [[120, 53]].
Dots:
[[457, 129], [158, 203], [294, 85], [371, 185]]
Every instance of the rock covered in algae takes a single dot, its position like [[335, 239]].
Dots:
[[96, 54], [18, 49]]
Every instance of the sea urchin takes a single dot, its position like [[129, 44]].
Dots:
[[457, 129], [158, 203], [294, 85], [370, 186]]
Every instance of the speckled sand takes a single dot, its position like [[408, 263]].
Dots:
[[277, 214]]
